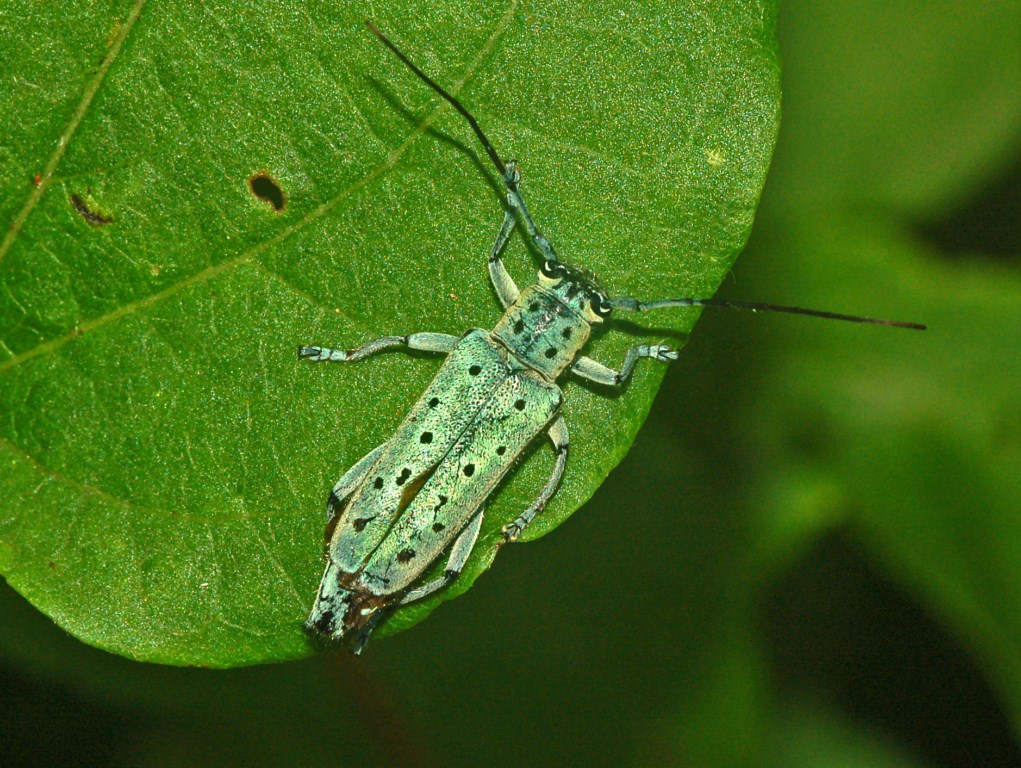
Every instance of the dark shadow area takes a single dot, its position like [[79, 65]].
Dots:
[[43, 724], [838, 629], [989, 224]]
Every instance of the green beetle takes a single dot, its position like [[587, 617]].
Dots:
[[423, 492]]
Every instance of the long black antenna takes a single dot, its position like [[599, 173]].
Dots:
[[626, 304], [634, 305], [452, 101]]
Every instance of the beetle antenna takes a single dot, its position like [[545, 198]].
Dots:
[[508, 171], [633, 305], [500, 166]]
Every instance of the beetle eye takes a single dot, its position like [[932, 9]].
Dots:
[[551, 269], [600, 306]]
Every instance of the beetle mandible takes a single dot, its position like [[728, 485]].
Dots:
[[423, 492]]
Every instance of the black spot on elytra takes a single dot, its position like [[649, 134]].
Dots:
[[475, 370], [378, 482], [566, 333], [519, 326], [443, 500], [405, 474], [267, 190], [434, 402], [469, 470], [438, 527], [360, 523], [404, 555], [325, 622], [427, 437], [519, 404], [533, 307], [501, 450], [551, 353]]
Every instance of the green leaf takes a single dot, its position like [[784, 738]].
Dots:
[[167, 457]]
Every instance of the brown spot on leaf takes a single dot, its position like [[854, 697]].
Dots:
[[91, 216]]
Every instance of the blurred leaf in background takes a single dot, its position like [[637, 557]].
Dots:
[[895, 189], [810, 556]]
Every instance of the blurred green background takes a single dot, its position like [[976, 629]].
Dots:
[[811, 556]]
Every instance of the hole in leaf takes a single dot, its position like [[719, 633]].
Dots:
[[267, 190]]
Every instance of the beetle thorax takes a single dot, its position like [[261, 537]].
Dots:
[[543, 330]]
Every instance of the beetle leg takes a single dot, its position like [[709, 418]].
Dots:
[[558, 434], [595, 371], [463, 546], [502, 281], [514, 199], [424, 342]]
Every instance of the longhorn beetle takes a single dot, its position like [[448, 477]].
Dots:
[[423, 492]]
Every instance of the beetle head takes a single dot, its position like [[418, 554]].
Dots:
[[576, 287]]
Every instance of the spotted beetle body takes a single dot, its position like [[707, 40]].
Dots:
[[422, 493], [418, 493]]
